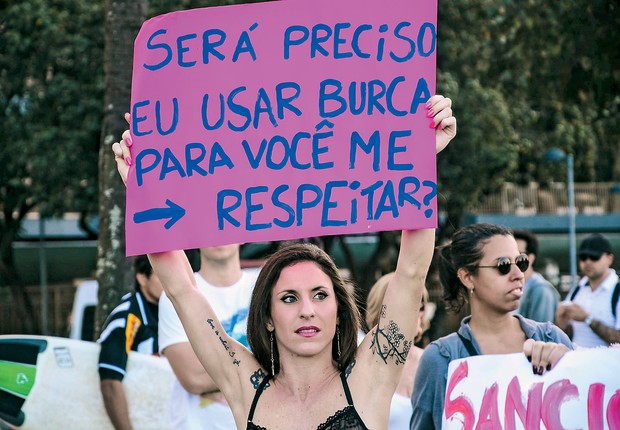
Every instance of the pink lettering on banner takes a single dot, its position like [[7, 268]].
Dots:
[[461, 407], [501, 392], [282, 120]]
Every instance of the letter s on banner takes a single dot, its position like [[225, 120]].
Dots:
[[461, 404]]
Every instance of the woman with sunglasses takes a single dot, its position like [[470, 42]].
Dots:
[[482, 266]]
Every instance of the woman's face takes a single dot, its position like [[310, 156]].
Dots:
[[304, 311], [502, 292]]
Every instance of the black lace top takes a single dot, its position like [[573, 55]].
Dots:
[[345, 419]]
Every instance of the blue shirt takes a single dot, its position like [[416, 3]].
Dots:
[[540, 299]]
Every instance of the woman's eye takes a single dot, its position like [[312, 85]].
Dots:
[[288, 299], [321, 295]]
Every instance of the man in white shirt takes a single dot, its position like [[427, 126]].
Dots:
[[589, 315], [197, 404]]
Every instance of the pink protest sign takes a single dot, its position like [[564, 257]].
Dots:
[[281, 120]]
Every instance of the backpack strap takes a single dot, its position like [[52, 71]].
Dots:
[[469, 346], [574, 292], [614, 298]]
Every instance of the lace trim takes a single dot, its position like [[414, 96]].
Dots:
[[344, 419]]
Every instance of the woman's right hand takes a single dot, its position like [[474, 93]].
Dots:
[[122, 155], [543, 355]]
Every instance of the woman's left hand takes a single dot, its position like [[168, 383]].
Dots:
[[543, 355], [439, 109]]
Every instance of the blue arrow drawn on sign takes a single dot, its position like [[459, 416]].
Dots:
[[173, 211]]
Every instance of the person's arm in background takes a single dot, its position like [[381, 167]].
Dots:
[[188, 369], [113, 357], [115, 403], [429, 389], [562, 320], [608, 334], [175, 346]]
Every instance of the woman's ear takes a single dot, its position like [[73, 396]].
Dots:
[[465, 277], [142, 279], [270, 326]]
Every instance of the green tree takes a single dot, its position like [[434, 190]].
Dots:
[[50, 110], [526, 77]]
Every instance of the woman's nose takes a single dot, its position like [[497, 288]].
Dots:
[[307, 308]]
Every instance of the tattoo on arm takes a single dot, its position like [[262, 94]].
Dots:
[[608, 334], [228, 349], [389, 343], [257, 377]]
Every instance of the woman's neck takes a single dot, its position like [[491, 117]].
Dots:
[[304, 377], [497, 334]]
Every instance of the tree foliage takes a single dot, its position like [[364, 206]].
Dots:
[[527, 76], [50, 115]]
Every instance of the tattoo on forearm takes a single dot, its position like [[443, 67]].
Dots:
[[224, 342], [608, 334], [390, 343], [257, 377]]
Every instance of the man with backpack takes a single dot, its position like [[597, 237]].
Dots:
[[589, 314]]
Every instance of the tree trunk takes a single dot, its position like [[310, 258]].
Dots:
[[9, 277], [114, 271], [26, 315]]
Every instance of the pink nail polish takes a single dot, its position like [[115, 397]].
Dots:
[[432, 124], [439, 127], [128, 142], [428, 104], [430, 113], [128, 160]]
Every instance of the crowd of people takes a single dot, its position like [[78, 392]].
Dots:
[[243, 344]]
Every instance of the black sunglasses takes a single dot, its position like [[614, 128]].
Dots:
[[504, 263], [585, 257]]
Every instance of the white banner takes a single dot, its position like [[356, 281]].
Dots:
[[502, 392]]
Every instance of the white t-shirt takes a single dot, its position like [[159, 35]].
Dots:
[[598, 304], [231, 305], [400, 412]]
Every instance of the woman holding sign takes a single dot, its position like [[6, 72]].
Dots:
[[482, 265], [305, 370]]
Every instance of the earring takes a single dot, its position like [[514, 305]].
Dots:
[[273, 367], [471, 292], [338, 341]]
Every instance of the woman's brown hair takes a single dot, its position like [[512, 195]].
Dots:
[[260, 305]]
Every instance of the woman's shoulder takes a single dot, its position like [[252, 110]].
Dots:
[[544, 331], [447, 347]]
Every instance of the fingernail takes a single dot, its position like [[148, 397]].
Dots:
[[540, 370], [428, 104], [128, 160], [128, 141], [432, 124], [430, 113], [534, 369], [548, 366], [529, 358], [439, 126]]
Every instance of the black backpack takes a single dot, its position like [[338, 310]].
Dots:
[[614, 297]]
